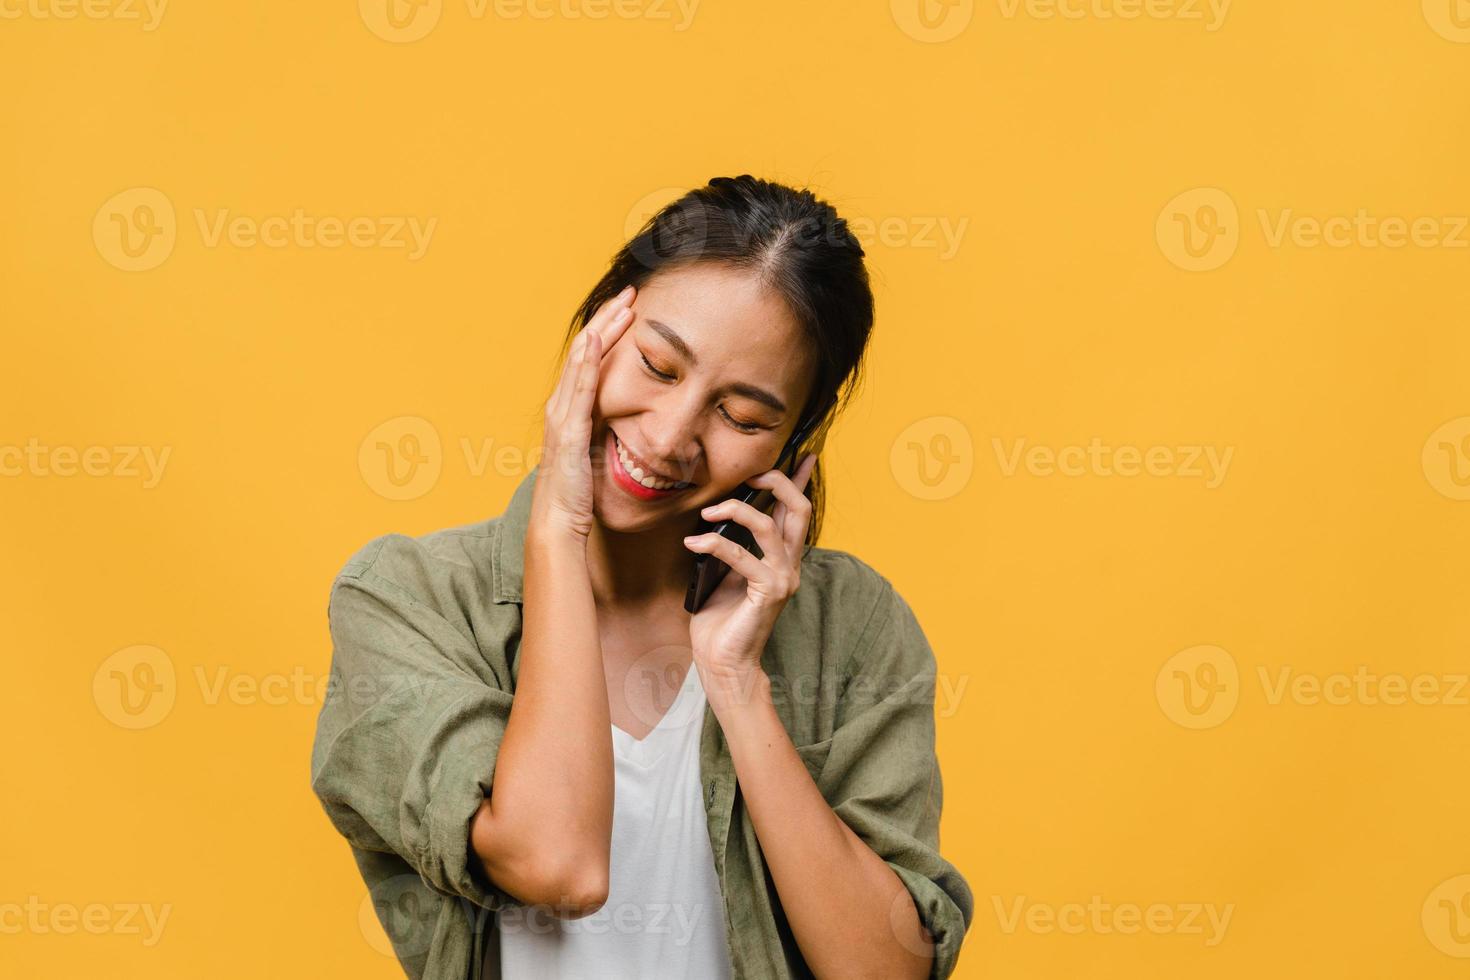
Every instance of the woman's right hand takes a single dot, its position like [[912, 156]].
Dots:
[[561, 502]]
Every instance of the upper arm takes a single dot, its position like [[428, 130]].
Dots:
[[881, 773]]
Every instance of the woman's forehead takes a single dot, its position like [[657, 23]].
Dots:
[[728, 320]]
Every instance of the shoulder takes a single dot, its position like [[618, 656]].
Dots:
[[452, 564], [841, 582], [847, 598]]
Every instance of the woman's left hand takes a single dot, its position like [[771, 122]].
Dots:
[[729, 632]]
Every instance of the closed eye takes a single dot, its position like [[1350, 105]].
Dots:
[[655, 371], [742, 426]]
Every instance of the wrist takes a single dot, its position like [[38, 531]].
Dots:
[[737, 691], [543, 539]]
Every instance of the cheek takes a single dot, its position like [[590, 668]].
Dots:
[[618, 386], [732, 459]]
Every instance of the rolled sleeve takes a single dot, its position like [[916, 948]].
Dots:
[[882, 774], [408, 735]]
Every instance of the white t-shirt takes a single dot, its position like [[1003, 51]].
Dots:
[[665, 915]]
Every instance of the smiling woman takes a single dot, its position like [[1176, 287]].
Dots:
[[717, 794], [745, 290]]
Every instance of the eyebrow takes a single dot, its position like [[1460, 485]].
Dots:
[[739, 387]]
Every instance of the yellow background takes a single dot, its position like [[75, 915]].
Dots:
[[1337, 537]]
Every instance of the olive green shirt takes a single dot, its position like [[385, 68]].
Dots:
[[425, 635]]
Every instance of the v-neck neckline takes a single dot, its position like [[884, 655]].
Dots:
[[638, 748]]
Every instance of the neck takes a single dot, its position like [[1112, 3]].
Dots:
[[641, 568]]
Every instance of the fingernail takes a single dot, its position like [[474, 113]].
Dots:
[[627, 291]]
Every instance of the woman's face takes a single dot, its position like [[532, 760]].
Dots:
[[735, 374]]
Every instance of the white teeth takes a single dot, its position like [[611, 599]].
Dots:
[[636, 472]]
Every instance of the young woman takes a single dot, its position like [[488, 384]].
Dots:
[[545, 766]]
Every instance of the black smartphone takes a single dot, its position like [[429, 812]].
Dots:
[[709, 570]]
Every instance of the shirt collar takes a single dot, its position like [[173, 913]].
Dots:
[[510, 542]]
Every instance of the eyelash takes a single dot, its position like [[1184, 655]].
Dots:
[[742, 426]]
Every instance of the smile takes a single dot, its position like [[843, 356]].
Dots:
[[630, 474]]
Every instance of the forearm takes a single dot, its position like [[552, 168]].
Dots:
[[549, 813], [850, 913]]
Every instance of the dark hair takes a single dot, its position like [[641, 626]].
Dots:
[[798, 246]]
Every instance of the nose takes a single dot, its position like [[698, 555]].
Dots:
[[670, 438], [672, 458]]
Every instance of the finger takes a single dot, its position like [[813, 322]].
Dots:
[[568, 437], [762, 526], [556, 408], [578, 422], [556, 405], [782, 513], [602, 322], [615, 328], [607, 311], [738, 558], [804, 472], [790, 501]]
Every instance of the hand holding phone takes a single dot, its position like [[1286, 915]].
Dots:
[[709, 571]]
